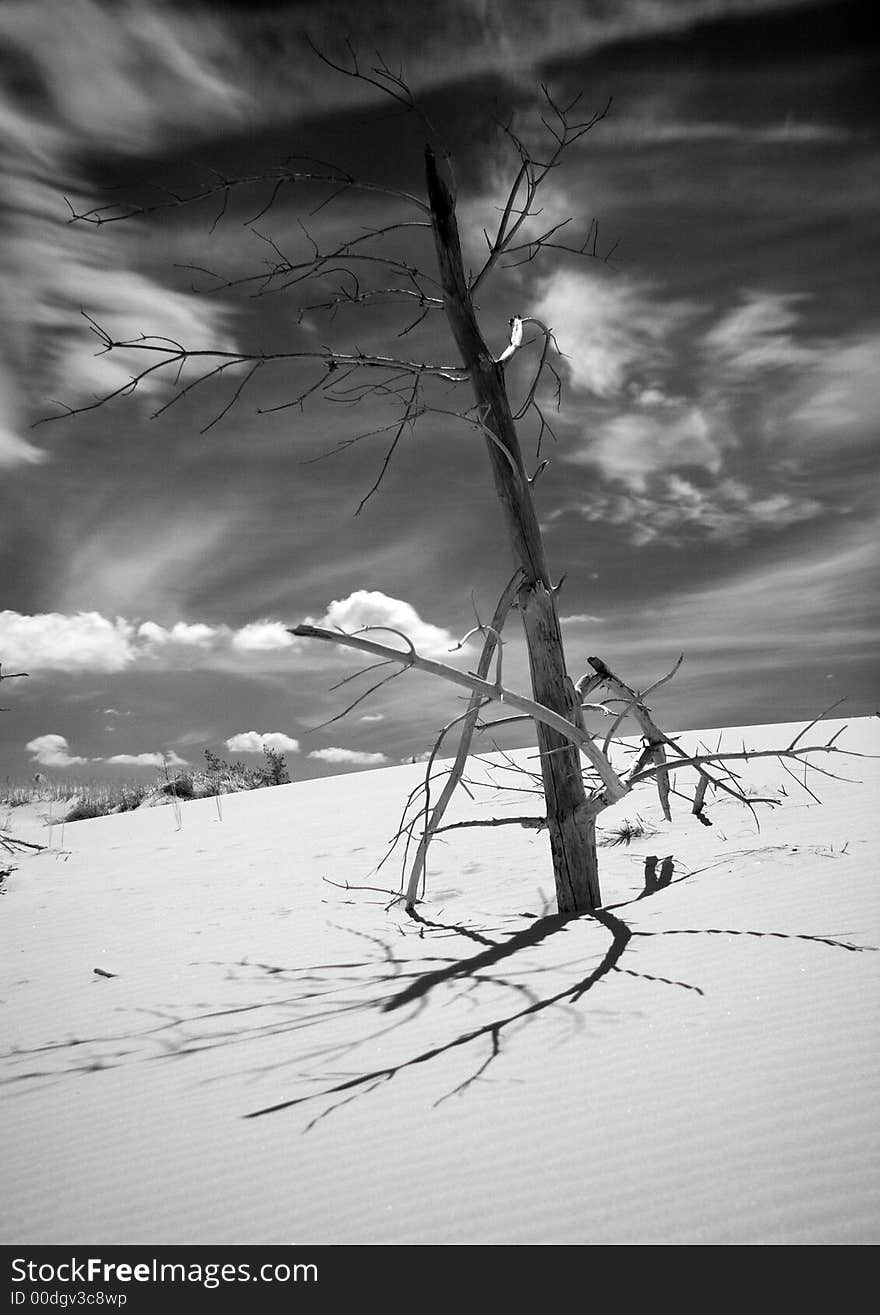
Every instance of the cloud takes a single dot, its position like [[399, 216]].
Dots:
[[127, 306], [609, 329], [635, 445], [161, 556], [189, 635], [349, 757], [839, 398], [677, 509], [756, 335], [450, 43], [757, 399], [257, 741], [52, 642], [367, 607], [262, 637], [122, 76], [15, 451], [169, 759], [52, 751], [646, 129], [88, 641], [93, 79], [817, 599]]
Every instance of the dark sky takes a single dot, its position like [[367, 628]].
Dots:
[[712, 480]]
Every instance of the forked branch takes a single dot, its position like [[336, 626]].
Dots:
[[564, 129], [613, 789], [432, 821], [173, 357]]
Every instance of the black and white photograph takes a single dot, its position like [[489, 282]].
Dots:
[[439, 747]]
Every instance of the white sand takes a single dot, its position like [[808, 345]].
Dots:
[[718, 1084]]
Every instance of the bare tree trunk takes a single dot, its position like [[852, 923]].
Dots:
[[571, 822]]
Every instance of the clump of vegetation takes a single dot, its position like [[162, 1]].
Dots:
[[100, 798], [221, 777], [13, 795], [627, 831]]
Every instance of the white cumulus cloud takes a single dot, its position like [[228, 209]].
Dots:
[[262, 637], [89, 641], [52, 751], [169, 759], [256, 741], [366, 607], [349, 757], [192, 635], [50, 641]]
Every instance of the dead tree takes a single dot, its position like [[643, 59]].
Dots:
[[361, 271], [570, 824]]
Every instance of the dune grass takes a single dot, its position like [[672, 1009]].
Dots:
[[88, 799]]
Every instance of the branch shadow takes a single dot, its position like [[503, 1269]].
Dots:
[[392, 989]]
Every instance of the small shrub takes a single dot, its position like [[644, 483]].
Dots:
[[275, 772], [130, 797], [183, 786], [84, 809], [221, 777], [628, 831]]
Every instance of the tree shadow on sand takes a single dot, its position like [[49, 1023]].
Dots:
[[485, 965], [395, 988]]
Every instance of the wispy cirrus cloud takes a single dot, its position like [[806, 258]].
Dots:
[[632, 447], [838, 400], [92, 79], [611, 331], [463, 39], [758, 334], [696, 422], [726, 512], [17, 451], [663, 128], [819, 599]]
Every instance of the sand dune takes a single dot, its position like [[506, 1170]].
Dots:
[[697, 1066]]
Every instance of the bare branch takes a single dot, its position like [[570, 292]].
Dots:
[[492, 639], [800, 735], [530, 823], [173, 357], [614, 788], [520, 203], [380, 76], [746, 755], [360, 698], [223, 187], [410, 416]]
